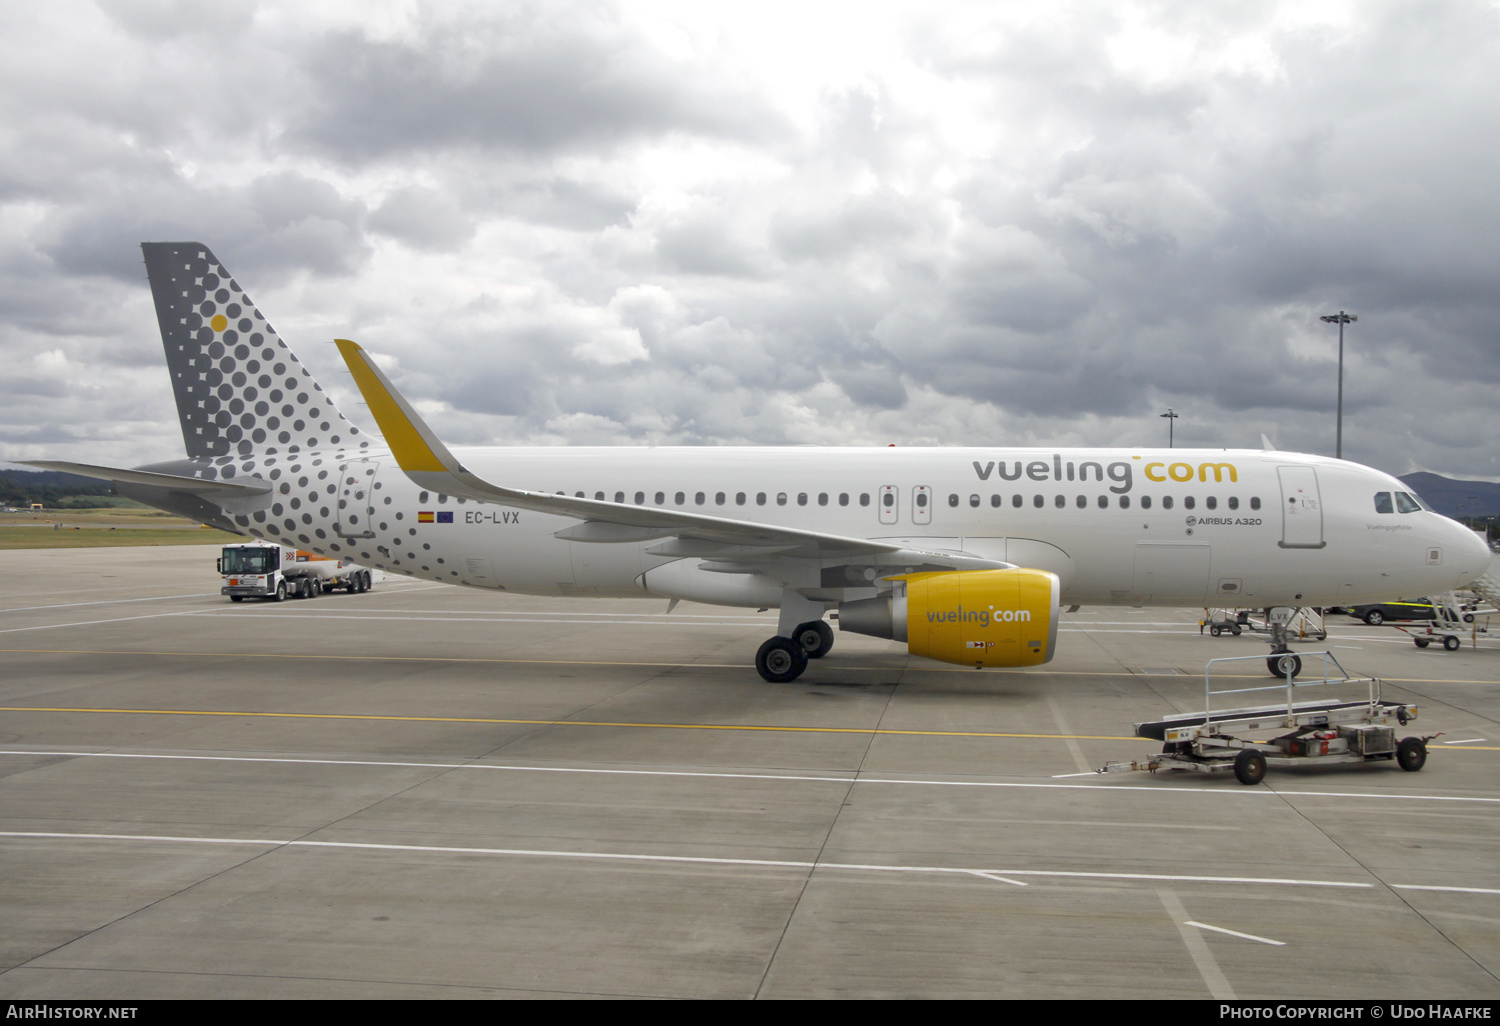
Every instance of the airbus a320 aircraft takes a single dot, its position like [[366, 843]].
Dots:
[[965, 555]]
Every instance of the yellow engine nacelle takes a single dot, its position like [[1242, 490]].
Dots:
[[973, 617]]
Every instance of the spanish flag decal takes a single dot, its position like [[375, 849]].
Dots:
[[425, 517]]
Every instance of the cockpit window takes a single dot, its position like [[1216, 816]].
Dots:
[[1406, 504], [1383, 503]]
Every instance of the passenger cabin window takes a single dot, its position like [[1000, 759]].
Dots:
[[864, 498], [802, 498], [1406, 504], [1255, 502], [1234, 502], [995, 501], [888, 500], [1015, 501], [1211, 502], [599, 496], [661, 498], [822, 498], [974, 501], [1125, 502], [1166, 502], [953, 499], [843, 498], [640, 498], [1383, 503], [698, 498], [760, 498], [739, 498], [1059, 501], [781, 498], [1189, 502], [1038, 501], [679, 498], [1145, 501], [1082, 502], [619, 496], [718, 498], [921, 500]]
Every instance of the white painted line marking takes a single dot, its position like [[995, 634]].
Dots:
[[1236, 933], [993, 874], [89, 623], [1213, 976], [1470, 741], [1060, 776], [109, 602], [1002, 879], [1210, 792], [1456, 890]]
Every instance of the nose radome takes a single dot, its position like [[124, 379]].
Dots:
[[1470, 555]]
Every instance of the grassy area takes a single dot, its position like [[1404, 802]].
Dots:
[[98, 537], [91, 528]]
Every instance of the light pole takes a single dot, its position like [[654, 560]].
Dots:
[[1340, 319], [1171, 419]]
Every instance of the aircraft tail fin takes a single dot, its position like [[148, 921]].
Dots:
[[240, 389]]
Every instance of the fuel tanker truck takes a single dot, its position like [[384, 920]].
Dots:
[[262, 569]]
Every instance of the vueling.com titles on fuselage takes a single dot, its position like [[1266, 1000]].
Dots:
[[1120, 472]]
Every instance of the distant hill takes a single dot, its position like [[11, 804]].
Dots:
[[53, 489], [1477, 498]]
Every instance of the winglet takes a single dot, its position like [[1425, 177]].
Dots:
[[412, 442]]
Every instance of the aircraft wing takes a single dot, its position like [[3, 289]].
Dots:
[[216, 489], [428, 462]]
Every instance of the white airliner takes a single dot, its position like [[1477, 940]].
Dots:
[[966, 555]]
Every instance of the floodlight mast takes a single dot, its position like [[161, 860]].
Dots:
[[1341, 318], [1171, 423]]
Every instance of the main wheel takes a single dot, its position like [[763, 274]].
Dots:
[[1249, 767], [1451, 643], [781, 660], [1286, 662], [1411, 754], [1374, 618], [816, 637]]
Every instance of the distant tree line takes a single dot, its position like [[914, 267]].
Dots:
[[54, 490]]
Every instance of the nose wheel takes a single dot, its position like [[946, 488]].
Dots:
[[1284, 663], [781, 660]]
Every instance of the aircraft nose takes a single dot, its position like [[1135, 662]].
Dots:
[[1471, 556]]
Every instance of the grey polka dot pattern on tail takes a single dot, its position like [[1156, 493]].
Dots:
[[228, 367]]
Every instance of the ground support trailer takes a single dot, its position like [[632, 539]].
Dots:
[[1315, 732], [1451, 620], [267, 570]]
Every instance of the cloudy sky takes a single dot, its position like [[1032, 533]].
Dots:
[[774, 223]]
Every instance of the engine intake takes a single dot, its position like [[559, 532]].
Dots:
[[971, 617]]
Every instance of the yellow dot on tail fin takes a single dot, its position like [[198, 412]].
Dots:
[[219, 323]]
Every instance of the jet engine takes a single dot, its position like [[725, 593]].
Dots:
[[973, 617]]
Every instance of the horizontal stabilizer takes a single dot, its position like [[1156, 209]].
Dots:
[[151, 479]]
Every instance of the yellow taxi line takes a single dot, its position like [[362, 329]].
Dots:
[[563, 723]]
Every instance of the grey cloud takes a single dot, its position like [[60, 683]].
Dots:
[[423, 218], [525, 79]]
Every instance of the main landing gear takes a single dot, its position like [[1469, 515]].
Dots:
[[782, 660]]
